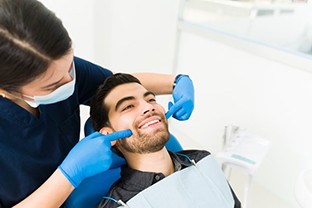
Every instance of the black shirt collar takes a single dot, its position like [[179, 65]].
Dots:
[[139, 180]]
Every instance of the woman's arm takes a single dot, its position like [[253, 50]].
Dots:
[[52, 193], [89, 157], [160, 84]]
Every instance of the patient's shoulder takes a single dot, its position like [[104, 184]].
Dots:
[[195, 154]]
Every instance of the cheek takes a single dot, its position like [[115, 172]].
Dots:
[[121, 123], [160, 109]]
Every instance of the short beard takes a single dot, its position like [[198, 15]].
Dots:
[[146, 143]]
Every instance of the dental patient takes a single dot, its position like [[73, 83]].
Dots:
[[152, 175]]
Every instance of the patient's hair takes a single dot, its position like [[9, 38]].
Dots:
[[98, 110]]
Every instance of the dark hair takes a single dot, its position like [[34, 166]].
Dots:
[[98, 110], [31, 37]]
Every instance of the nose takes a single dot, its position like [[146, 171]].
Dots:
[[148, 108], [69, 77]]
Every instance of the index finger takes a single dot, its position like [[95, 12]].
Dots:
[[118, 135], [169, 114], [174, 108]]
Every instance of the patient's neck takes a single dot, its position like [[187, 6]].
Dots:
[[159, 162]]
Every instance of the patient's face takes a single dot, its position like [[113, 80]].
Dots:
[[132, 107]]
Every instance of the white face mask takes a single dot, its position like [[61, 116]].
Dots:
[[60, 94]]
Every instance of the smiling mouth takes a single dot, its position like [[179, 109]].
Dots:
[[149, 124]]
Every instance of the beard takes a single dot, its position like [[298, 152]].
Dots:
[[146, 143]]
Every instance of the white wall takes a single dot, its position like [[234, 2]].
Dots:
[[232, 86], [270, 99], [136, 35]]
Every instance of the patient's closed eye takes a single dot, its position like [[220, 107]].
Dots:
[[152, 100], [127, 107]]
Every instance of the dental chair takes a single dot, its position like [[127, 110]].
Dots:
[[90, 192]]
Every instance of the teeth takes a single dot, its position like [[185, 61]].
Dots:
[[149, 123]]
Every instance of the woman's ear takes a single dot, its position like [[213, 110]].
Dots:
[[106, 131], [2, 93]]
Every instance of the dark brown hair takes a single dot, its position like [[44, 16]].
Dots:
[[31, 37], [98, 111]]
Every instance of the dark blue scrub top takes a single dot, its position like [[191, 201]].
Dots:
[[31, 148]]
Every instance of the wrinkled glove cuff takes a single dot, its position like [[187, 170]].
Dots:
[[74, 183], [177, 79]]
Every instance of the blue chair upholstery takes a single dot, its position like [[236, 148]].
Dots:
[[90, 192]]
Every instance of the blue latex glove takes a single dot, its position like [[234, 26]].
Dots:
[[183, 96], [90, 156]]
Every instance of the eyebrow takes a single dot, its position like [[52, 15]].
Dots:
[[57, 82], [122, 100]]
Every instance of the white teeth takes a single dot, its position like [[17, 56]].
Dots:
[[149, 123]]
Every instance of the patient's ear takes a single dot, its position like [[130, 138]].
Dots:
[[106, 131]]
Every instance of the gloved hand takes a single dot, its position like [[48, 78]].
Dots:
[[90, 156], [183, 96]]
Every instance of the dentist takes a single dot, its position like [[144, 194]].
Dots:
[[42, 84]]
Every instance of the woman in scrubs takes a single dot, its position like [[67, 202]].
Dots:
[[42, 85]]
